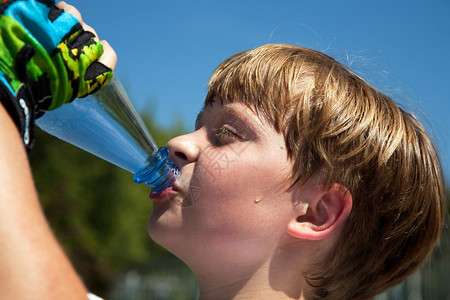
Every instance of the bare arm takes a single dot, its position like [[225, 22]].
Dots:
[[32, 264]]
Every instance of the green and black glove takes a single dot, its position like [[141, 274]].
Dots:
[[46, 60]]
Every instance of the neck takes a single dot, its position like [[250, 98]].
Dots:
[[271, 280]]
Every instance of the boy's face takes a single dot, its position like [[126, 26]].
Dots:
[[232, 198]]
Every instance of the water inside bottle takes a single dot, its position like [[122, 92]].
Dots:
[[104, 124]]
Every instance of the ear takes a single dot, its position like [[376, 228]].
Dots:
[[327, 207]]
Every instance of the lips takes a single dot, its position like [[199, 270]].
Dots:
[[166, 194], [161, 195]]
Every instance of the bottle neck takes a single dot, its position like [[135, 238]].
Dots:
[[160, 172]]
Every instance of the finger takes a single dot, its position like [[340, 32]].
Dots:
[[89, 28], [71, 10], [109, 57]]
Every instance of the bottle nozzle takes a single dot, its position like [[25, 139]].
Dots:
[[160, 172]]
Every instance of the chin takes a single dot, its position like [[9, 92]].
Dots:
[[164, 225], [156, 225]]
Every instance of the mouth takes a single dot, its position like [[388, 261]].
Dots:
[[161, 195], [176, 196], [168, 193]]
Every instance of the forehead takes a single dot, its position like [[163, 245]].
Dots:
[[265, 83], [218, 106]]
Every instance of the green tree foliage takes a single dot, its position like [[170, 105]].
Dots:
[[97, 212]]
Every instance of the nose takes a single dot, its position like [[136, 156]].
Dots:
[[184, 149]]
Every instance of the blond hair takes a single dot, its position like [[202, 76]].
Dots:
[[336, 123]]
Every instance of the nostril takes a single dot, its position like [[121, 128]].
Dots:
[[181, 155]]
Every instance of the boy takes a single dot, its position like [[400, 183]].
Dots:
[[331, 191], [300, 182]]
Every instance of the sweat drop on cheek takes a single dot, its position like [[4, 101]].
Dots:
[[107, 125]]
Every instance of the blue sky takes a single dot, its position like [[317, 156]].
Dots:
[[168, 49]]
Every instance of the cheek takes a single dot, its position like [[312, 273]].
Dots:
[[242, 191], [224, 172], [224, 179]]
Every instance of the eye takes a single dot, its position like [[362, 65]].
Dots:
[[227, 134]]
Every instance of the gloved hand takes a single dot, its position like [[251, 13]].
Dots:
[[46, 60]]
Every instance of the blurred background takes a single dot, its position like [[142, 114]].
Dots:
[[166, 51]]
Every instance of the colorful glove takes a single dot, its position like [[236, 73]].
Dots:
[[46, 60]]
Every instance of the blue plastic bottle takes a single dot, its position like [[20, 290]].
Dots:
[[107, 125]]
